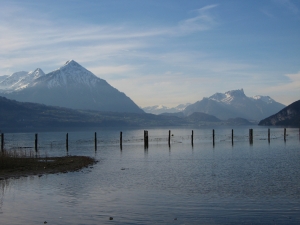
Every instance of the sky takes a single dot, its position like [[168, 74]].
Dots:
[[160, 52]]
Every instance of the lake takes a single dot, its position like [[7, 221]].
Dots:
[[243, 183]]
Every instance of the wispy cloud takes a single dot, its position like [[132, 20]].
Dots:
[[288, 5], [36, 39], [202, 21]]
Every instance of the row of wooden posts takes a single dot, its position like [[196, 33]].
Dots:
[[146, 139]]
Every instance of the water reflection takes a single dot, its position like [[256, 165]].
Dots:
[[3, 186], [196, 184]]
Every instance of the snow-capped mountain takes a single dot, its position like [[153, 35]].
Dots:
[[12, 79], [266, 99], [236, 104], [159, 109], [20, 80], [71, 74], [70, 86]]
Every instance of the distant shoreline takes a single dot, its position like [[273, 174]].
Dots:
[[46, 165]]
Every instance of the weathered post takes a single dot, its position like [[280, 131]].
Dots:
[[232, 136], [169, 139], [67, 142], [269, 135], [213, 136], [36, 142], [146, 140], [121, 140], [251, 136], [2, 142], [95, 141], [192, 138], [284, 134]]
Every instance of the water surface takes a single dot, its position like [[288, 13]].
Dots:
[[244, 183]]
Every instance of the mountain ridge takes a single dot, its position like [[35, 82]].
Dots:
[[70, 86], [27, 116], [289, 116], [235, 103]]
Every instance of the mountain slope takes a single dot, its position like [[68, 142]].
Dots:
[[12, 79], [24, 116], [75, 87], [2, 78], [235, 104], [289, 116], [32, 116]]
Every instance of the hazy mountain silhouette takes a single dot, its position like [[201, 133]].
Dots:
[[289, 116]]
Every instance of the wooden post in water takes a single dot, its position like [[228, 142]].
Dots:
[[192, 138], [251, 136], [67, 142], [169, 139], [36, 142], [2, 142], [146, 140], [121, 140], [269, 135], [213, 136], [95, 141], [284, 134], [232, 136]]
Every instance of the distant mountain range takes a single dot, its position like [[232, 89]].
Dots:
[[224, 106], [235, 104], [32, 116], [25, 116], [159, 109], [289, 116], [70, 86]]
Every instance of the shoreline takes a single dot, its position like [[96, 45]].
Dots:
[[47, 165]]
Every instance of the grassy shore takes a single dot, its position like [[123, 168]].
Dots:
[[21, 163]]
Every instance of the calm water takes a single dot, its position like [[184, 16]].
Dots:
[[181, 184]]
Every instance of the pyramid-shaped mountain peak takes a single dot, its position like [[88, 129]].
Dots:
[[72, 65], [71, 62], [73, 86]]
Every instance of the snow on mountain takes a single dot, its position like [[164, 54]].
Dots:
[[228, 96], [28, 79], [218, 97], [12, 79], [70, 86], [20, 80], [235, 103], [71, 73], [266, 99], [159, 109]]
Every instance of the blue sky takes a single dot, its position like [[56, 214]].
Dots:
[[160, 52]]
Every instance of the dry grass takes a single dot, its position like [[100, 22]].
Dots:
[[22, 163], [16, 158]]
